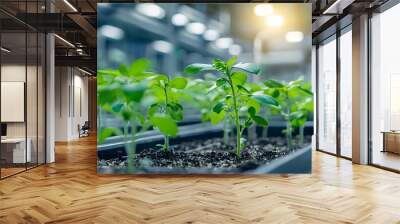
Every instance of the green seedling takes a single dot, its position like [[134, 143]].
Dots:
[[304, 106], [197, 95], [239, 103], [121, 93], [166, 111], [287, 94]]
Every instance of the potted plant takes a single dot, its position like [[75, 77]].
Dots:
[[233, 77], [288, 95], [121, 93], [166, 110]]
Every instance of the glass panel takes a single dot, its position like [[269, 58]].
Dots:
[[327, 97], [31, 98], [385, 86], [41, 99], [13, 86], [346, 94]]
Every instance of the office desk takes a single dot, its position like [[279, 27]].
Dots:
[[391, 141], [13, 150]]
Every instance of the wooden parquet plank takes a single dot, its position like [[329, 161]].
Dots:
[[70, 191]]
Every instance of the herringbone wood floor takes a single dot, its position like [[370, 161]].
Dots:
[[70, 191]]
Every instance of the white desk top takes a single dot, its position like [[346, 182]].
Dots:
[[13, 140]]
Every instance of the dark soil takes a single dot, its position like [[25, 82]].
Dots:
[[212, 153]]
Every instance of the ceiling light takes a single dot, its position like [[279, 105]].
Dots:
[[196, 28], [179, 19], [151, 10], [5, 50], [294, 36], [224, 42], [84, 71], [64, 40], [235, 49], [70, 5], [112, 32], [335, 7], [211, 35], [162, 46], [263, 9], [274, 20]]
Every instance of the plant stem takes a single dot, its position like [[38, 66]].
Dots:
[[265, 132], [166, 137], [225, 132], [132, 150], [301, 133], [127, 146], [236, 117], [288, 124], [166, 143], [265, 129], [288, 134]]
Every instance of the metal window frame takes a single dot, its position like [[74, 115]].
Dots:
[[339, 32]]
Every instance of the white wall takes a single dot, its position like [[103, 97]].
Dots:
[[71, 94]]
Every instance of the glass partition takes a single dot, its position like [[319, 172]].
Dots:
[[14, 145], [31, 98], [22, 77], [346, 93], [41, 110], [327, 96]]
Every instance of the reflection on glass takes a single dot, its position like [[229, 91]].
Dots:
[[41, 99], [327, 97], [14, 150], [386, 89], [345, 94], [31, 98]]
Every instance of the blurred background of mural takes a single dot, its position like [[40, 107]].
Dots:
[[277, 36]]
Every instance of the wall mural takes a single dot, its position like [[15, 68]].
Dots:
[[204, 88]]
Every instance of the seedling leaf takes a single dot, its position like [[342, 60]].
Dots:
[[273, 83], [248, 67], [218, 107], [178, 82], [239, 78], [215, 118], [197, 68], [165, 124], [265, 100]]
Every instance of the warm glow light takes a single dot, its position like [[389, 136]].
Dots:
[[274, 20], [179, 19], [235, 49], [84, 71], [263, 9], [5, 50], [70, 5], [112, 32], [196, 28], [64, 40], [162, 46], [151, 10], [224, 42], [294, 36], [211, 35]]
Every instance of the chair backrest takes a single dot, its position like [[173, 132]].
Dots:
[[86, 125]]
